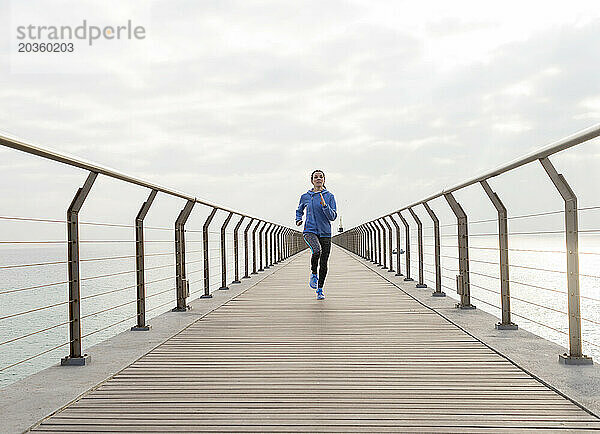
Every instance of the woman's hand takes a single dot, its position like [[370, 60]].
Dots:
[[299, 223], [322, 200]]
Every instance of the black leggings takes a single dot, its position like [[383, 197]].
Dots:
[[320, 247]]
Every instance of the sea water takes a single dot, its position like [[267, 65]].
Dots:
[[529, 256]]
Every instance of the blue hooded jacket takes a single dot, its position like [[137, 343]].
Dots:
[[318, 217]]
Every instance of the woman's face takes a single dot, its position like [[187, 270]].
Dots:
[[318, 179]]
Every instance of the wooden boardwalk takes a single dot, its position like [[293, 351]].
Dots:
[[367, 358]]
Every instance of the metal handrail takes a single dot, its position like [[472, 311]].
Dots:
[[550, 149], [365, 239], [285, 238], [103, 170]]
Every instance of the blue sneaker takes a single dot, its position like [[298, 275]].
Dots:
[[320, 295], [314, 280]]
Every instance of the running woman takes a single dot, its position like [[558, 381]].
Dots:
[[320, 212]]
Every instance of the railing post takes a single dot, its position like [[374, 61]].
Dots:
[[276, 232], [246, 260], [205, 244], [365, 230], [370, 243], [268, 247], [236, 255], [575, 355], [383, 246], [182, 286], [273, 245], [260, 245], [271, 241], [463, 282], [398, 248], [407, 244], [294, 245], [437, 252], [224, 286], [284, 232], [366, 239], [277, 235], [359, 230], [254, 247], [373, 243], [75, 357], [390, 247], [416, 218], [286, 242], [506, 323], [379, 248], [375, 248], [279, 244], [139, 264]]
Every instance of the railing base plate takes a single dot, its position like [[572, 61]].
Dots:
[[565, 359], [464, 306], [409, 279], [75, 361], [511, 326], [438, 294], [206, 296], [223, 288], [235, 281], [421, 285], [181, 309], [140, 329]]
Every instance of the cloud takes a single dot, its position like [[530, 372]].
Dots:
[[230, 100]]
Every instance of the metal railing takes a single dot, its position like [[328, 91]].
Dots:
[[368, 240], [276, 241]]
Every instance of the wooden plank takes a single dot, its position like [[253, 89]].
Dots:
[[368, 358]]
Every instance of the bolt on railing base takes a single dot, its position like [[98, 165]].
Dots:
[[438, 294], [76, 361], [140, 329], [206, 296], [464, 306], [223, 288], [181, 309], [409, 279], [421, 285], [565, 359], [509, 326]]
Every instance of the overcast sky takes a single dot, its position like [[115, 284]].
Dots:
[[237, 102]]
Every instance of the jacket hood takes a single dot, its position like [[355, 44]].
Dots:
[[315, 192]]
